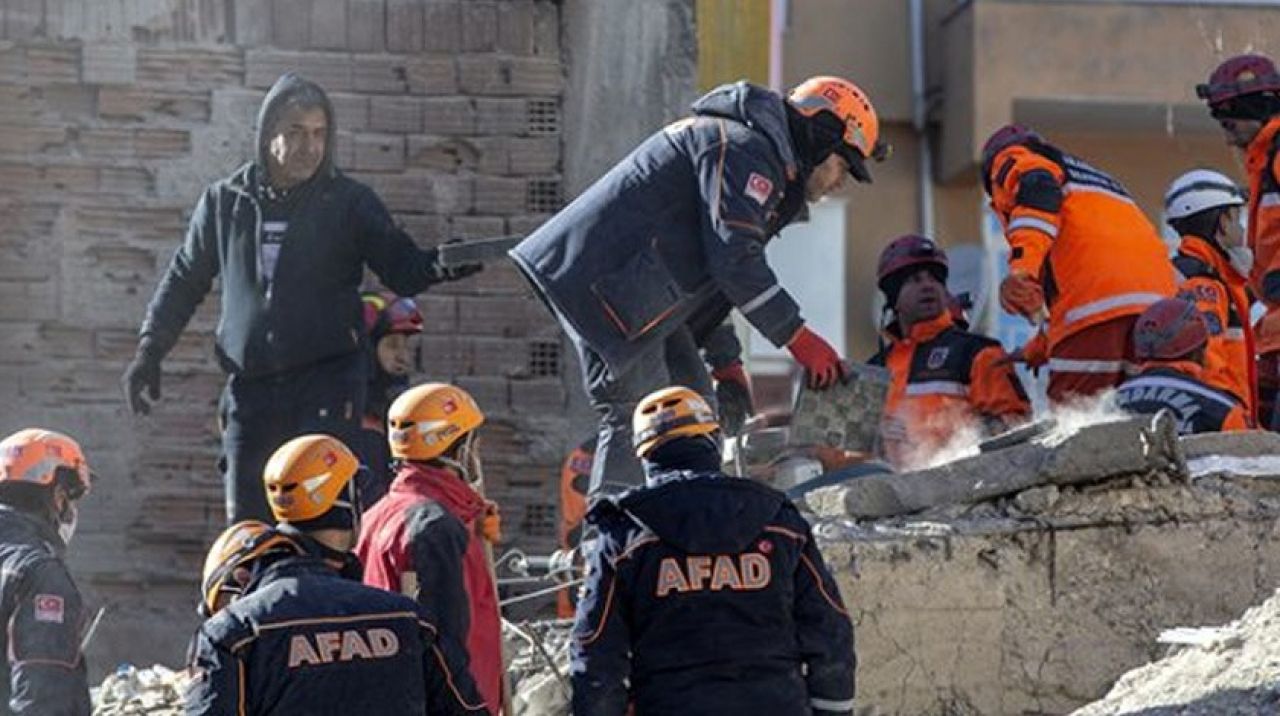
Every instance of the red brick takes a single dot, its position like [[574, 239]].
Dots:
[[479, 26], [538, 396], [489, 74], [500, 195], [395, 114], [507, 117], [516, 27], [448, 115], [115, 64], [127, 222], [328, 24], [534, 155], [380, 73], [379, 153], [404, 25], [431, 75], [443, 24], [290, 23]]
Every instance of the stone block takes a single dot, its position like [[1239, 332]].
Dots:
[[507, 117], [68, 179], [351, 111], [449, 115], [291, 23], [366, 25], [516, 27], [534, 155], [404, 25], [508, 76], [479, 26], [442, 21], [500, 195], [395, 114], [431, 75], [328, 24], [379, 153], [103, 64]]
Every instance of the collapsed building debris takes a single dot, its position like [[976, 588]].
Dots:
[[131, 691]]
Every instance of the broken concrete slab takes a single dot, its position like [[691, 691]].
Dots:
[[846, 415]]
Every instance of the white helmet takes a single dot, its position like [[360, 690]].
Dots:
[[1199, 190]]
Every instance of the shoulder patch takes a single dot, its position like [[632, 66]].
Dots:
[[49, 608], [758, 187]]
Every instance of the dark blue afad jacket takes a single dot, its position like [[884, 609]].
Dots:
[[306, 641], [44, 673], [336, 226], [673, 228], [709, 596]]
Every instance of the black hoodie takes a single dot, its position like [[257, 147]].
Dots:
[[336, 226]]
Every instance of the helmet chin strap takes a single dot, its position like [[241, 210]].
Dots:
[[467, 466]]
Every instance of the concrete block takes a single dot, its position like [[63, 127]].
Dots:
[[328, 24], [350, 111], [546, 29], [507, 357], [29, 300], [133, 181], [379, 153], [395, 114], [69, 179], [516, 27], [16, 178], [23, 19], [501, 277], [500, 195], [450, 194], [331, 71], [506, 76], [492, 155], [158, 143], [379, 73], [449, 115], [404, 25], [52, 64], [507, 117], [103, 64], [212, 68], [291, 23], [538, 396], [344, 149], [442, 21], [150, 103], [476, 227], [425, 230], [444, 356], [366, 25], [479, 26], [448, 154], [510, 316], [252, 26], [431, 75], [107, 142], [492, 394], [407, 192], [439, 313], [534, 155]]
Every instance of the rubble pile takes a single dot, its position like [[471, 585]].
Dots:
[[1233, 670], [131, 691], [539, 669]]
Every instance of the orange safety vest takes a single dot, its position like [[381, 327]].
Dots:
[[1092, 248], [1263, 165], [575, 475], [1220, 292], [944, 381]]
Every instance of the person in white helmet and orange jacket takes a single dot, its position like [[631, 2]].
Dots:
[[1213, 264], [674, 235], [427, 537], [302, 636], [43, 474]]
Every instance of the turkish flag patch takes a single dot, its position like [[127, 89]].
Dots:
[[759, 188], [49, 608]]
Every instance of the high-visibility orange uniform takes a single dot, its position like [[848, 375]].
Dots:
[[1263, 165], [944, 380], [1179, 387], [1076, 230], [575, 477], [1220, 293]]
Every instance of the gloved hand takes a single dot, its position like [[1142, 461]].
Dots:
[[491, 523], [143, 373], [821, 362], [441, 272], [1034, 353], [1022, 295], [733, 393]]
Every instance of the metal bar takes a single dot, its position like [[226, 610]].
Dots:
[[540, 593]]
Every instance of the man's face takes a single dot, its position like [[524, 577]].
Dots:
[[297, 145], [827, 178], [1230, 231], [394, 354], [1239, 132], [922, 298]]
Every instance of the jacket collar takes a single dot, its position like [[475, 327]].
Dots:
[[1199, 248], [923, 330], [442, 485], [1185, 368], [1258, 150]]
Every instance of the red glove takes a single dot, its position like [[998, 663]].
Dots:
[[820, 360], [1021, 295], [1036, 351]]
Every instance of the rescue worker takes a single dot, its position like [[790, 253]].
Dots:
[[705, 593], [42, 476], [1170, 339], [944, 379], [303, 638], [674, 236], [1083, 257], [575, 476], [427, 538], [288, 236], [1243, 94], [228, 567], [1213, 263], [389, 323]]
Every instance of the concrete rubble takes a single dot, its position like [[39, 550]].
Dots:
[[131, 691]]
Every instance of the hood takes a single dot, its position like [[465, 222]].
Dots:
[[32, 529], [442, 485], [758, 108], [286, 88], [704, 513]]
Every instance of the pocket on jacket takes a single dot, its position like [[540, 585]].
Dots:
[[637, 296]]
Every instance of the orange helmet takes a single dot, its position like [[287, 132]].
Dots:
[[236, 547], [38, 457], [848, 103], [306, 476], [670, 413], [428, 419]]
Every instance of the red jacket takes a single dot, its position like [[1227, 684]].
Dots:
[[429, 524]]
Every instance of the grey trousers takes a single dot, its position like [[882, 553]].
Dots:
[[675, 361]]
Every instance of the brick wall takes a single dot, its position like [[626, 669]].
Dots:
[[114, 115]]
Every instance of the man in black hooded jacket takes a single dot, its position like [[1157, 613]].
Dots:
[[289, 235], [705, 593]]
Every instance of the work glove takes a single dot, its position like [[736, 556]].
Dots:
[[442, 272], [733, 393], [491, 523], [1034, 353], [821, 363], [1021, 295], [142, 374]]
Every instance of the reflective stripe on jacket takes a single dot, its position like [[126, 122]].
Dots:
[[1177, 386], [1263, 165]]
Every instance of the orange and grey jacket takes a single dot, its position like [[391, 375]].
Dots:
[[1179, 387], [1220, 292], [944, 380], [1263, 165], [1077, 230]]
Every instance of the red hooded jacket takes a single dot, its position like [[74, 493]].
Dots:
[[428, 524]]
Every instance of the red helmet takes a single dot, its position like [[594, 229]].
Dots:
[[909, 251], [386, 313], [1169, 329], [1239, 76], [1006, 136]]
